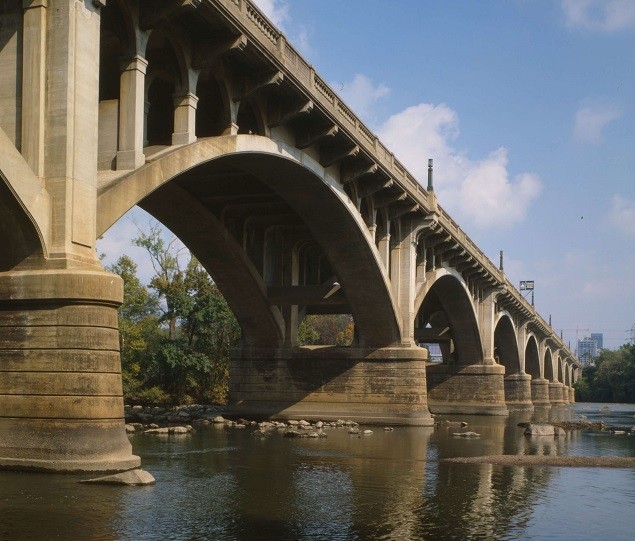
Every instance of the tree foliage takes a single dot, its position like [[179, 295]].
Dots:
[[612, 379], [177, 333]]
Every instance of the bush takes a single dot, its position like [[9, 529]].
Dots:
[[152, 396]]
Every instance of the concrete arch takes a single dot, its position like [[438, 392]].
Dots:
[[506, 344], [23, 200], [548, 366], [560, 366], [532, 358], [445, 289], [300, 181], [175, 41]]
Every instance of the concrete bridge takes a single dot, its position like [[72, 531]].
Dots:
[[200, 112]]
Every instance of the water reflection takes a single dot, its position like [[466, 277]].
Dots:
[[227, 484]]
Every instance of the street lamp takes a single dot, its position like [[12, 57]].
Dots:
[[528, 285]]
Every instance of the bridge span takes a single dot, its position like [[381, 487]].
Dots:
[[201, 113]]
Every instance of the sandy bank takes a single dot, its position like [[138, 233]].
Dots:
[[539, 460]]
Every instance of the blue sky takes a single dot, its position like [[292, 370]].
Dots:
[[528, 109]]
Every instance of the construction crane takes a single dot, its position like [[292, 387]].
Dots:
[[577, 330]]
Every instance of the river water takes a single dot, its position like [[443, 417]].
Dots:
[[225, 484]]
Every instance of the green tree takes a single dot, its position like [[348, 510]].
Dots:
[[332, 329], [195, 329], [612, 379], [138, 324]]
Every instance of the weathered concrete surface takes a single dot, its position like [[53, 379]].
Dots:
[[518, 391], [380, 386], [556, 393], [474, 389], [61, 405], [540, 392]]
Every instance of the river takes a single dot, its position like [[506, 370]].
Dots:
[[225, 484]]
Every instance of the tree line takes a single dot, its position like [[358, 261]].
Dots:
[[177, 332], [611, 379]]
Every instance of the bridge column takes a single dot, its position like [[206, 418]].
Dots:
[[518, 391], [556, 393], [131, 114], [373, 386], [471, 389], [184, 119], [61, 405], [518, 386]]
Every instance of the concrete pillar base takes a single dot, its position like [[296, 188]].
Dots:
[[518, 391], [372, 386], [556, 393], [540, 392], [61, 405], [571, 395], [476, 389]]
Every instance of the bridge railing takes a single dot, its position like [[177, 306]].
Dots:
[[266, 36]]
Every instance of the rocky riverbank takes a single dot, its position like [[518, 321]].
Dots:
[[182, 420]]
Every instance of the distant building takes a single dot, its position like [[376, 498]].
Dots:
[[587, 350], [599, 339]]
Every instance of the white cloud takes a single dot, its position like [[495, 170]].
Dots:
[[590, 122], [361, 95], [599, 15], [277, 11], [623, 215], [479, 192]]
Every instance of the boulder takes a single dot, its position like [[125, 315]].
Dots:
[[540, 430], [130, 428], [130, 478], [353, 430], [163, 430]]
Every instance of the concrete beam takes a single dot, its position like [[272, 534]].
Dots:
[[284, 115], [383, 200], [152, 12], [433, 335], [352, 174], [208, 52], [301, 295], [251, 86], [307, 138], [374, 186], [333, 155], [397, 210]]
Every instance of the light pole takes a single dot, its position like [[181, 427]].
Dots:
[[528, 285]]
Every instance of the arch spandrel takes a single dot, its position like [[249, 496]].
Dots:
[[301, 182]]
